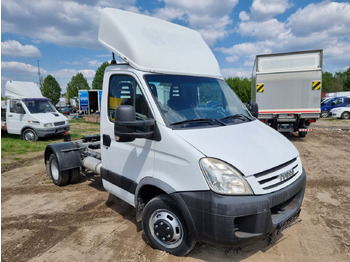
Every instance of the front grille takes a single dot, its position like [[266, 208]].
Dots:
[[59, 123], [276, 178]]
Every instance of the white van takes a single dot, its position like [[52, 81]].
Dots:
[[31, 117], [178, 144]]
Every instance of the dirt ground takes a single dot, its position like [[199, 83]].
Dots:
[[82, 222]]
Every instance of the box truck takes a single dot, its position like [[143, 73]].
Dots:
[[177, 144], [29, 114], [287, 88]]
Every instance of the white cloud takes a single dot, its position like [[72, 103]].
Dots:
[[265, 9], [19, 68], [327, 17], [65, 23], [268, 29], [243, 16], [16, 49], [324, 25], [246, 50], [208, 17], [235, 72]]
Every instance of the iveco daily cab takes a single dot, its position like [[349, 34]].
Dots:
[[29, 114], [178, 145]]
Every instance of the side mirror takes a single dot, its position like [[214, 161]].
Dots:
[[127, 128], [253, 109]]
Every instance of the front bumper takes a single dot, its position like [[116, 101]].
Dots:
[[44, 132], [237, 220]]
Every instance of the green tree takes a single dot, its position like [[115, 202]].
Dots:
[[78, 82], [346, 80], [98, 79], [332, 83], [241, 86], [51, 89]]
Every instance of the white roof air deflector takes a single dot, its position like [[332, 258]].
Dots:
[[21, 89], [154, 45]]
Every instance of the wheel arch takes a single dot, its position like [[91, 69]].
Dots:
[[27, 128], [66, 153], [150, 187]]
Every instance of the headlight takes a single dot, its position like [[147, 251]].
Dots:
[[48, 125], [223, 178], [67, 123]]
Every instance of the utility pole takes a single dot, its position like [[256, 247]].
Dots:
[[39, 74]]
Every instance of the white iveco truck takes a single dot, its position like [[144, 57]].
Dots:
[[178, 145], [29, 114]]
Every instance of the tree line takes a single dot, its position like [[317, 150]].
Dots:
[[50, 88]]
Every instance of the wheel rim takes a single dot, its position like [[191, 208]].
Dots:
[[166, 228], [324, 114], [29, 136], [54, 169], [346, 115]]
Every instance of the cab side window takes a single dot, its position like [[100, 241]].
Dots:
[[16, 108], [124, 90]]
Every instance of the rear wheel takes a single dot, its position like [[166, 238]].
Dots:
[[30, 135], [345, 115], [59, 178], [164, 227], [302, 133]]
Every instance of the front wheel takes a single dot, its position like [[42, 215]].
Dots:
[[345, 115], [30, 135], [164, 227], [59, 178], [324, 113]]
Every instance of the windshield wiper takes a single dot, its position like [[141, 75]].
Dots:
[[211, 121], [241, 116]]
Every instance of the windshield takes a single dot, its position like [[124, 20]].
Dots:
[[39, 105], [188, 101]]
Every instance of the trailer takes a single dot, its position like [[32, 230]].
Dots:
[[287, 88]]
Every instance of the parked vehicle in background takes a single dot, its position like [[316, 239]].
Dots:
[[287, 88], [334, 102], [67, 110], [177, 144], [341, 112], [31, 117]]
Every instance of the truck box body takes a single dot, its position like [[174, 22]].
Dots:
[[287, 88], [31, 117], [90, 101], [178, 144]]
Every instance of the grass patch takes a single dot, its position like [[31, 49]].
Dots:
[[13, 145]]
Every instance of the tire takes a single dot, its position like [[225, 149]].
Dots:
[[29, 135], [324, 113], [74, 175], [345, 115], [302, 133], [164, 227], [59, 178]]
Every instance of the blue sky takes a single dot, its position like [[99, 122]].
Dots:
[[62, 35]]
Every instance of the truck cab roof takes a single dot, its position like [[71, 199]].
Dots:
[[153, 45]]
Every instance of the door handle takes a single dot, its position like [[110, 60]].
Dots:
[[10, 116], [106, 140]]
